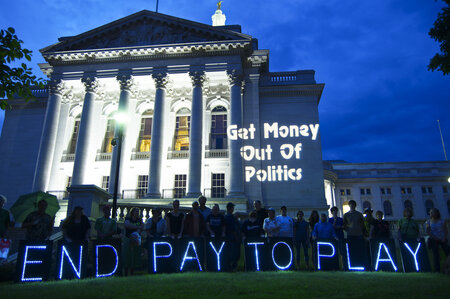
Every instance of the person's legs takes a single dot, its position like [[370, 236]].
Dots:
[[434, 246], [305, 252]]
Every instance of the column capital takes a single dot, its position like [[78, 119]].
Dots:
[[91, 84], [161, 80], [126, 82], [235, 77], [197, 78], [57, 86]]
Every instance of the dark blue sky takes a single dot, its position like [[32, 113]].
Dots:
[[380, 102]]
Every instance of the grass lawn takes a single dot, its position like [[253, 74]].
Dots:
[[243, 284]]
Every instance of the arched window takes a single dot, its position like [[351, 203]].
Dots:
[[73, 139], [182, 126], [448, 206], [387, 207], [367, 205], [345, 207], [429, 204], [109, 135], [218, 135], [408, 204], [145, 133]]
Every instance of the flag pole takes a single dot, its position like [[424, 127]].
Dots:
[[157, 4], [442, 140]]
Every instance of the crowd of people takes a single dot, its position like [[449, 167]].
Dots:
[[202, 221]]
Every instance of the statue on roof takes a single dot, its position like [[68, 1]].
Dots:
[[219, 5]]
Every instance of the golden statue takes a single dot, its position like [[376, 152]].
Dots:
[[219, 5]]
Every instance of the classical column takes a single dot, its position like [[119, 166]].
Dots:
[[236, 169], [126, 83], [195, 135], [84, 142], [48, 138], [156, 147]]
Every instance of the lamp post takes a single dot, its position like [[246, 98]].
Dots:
[[120, 119]]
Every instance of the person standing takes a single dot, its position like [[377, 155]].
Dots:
[[251, 227], [271, 225], [155, 225], [194, 224], [301, 238], [368, 221], [203, 209], [215, 223], [232, 232], [175, 221], [261, 213], [408, 229], [132, 242], [354, 222], [338, 225], [77, 226], [312, 220], [323, 229], [105, 226], [437, 230], [39, 224], [379, 228], [286, 224], [5, 218]]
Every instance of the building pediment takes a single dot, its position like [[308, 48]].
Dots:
[[145, 28]]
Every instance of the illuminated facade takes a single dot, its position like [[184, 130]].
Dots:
[[203, 116]]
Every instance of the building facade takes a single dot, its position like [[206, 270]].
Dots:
[[201, 114]]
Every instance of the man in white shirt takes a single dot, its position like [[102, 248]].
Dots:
[[286, 224]]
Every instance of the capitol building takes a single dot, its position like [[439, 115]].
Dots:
[[185, 109]]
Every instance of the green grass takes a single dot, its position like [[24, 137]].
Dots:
[[241, 284]]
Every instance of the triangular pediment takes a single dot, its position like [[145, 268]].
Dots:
[[145, 28]]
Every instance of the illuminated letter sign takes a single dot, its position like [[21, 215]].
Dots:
[[33, 261], [186, 257], [414, 256], [382, 246], [326, 249], [349, 264], [256, 254], [106, 251], [280, 253], [217, 254], [156, 255], [289, 264], [73, 254]]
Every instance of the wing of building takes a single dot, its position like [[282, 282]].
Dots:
[[202, 115]]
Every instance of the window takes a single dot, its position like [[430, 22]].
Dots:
[[385, 191], [348, 192], [73, 139], [365, 191], [105, 182], [445, 189], [405, 190], [427, 190], [345, 192], [367, 205], [408, 204], [145, 133], [142, 186], [387, 207], [218, 136], [218, 185], [182, 127], [180, 186], [429, 204], [109, 135]]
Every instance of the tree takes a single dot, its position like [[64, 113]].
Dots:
[[15, 81], [441, 33]]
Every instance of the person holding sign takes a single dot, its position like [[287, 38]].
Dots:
[[437, 230], [155, 226], [261, 213], [323, 229], [194, 224], [77, 226], [105, 226], [203, 209], [408, 229], [251, 227], [354, 222], [232, 232], [39, 224], [271, 225], [132, 242], [175, 221], [301, 238], [379, 228], [215, 223], [286, 224]]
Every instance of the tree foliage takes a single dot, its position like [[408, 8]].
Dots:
[[15, 81], [441, 33]]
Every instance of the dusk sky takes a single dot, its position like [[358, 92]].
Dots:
[[380, 103]]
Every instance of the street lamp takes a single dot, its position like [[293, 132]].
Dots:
[[120, 120]]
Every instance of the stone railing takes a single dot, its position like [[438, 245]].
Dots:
[[216, 153], [288, 78], [140, 156], [40, 92], [218, 192], [178, 155], [68, 158], [103, 157], [134, 193]]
